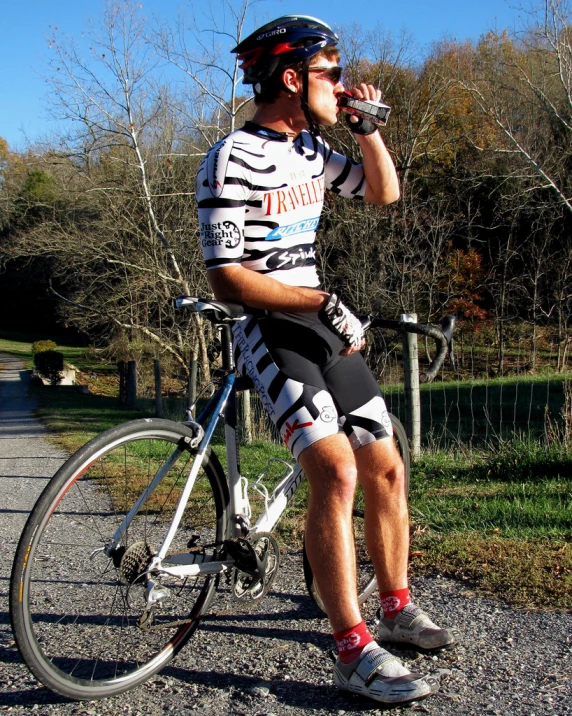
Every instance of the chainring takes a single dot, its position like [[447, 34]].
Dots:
[[245, 586]]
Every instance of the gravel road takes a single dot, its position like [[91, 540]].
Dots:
[[275, 659]]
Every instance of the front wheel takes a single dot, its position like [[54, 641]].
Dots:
[[78, 614], [366, 580]]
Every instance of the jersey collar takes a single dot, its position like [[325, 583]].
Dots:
[[266, 132]]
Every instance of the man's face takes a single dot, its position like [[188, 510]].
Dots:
[[324, 88]]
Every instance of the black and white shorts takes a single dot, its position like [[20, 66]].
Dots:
[[308, 389]]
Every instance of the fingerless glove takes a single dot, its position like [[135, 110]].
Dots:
[[341, 321], [362, 126]]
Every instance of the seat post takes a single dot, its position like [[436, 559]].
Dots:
[[226, 343]]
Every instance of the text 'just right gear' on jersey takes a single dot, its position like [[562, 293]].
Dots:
[[260, 198]]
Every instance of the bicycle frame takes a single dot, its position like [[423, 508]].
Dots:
[[221, 406]]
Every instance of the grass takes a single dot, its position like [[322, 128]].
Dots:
[[477, 412], [500, 520]]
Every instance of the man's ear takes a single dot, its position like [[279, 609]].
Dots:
[[292, 80]]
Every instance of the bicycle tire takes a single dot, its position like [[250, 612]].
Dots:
[[366, 579], [75, 611]]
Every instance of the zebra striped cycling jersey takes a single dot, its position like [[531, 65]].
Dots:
[[260, 198]]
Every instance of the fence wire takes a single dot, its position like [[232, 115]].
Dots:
[[483, 399]]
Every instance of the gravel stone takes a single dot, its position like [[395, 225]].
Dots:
[[275, 659]]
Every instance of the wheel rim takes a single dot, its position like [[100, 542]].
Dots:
[[81, 618]]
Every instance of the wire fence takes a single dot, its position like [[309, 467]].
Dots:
[[469, 405]]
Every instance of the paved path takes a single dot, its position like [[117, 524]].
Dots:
[[27, 461]]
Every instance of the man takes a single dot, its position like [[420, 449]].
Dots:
[[260, 193]]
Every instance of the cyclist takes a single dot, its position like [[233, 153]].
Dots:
[[260, 192]]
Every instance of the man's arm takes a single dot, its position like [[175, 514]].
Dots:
[[241, 285], [379, 169]]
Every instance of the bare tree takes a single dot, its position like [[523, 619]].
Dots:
[[524, 86]]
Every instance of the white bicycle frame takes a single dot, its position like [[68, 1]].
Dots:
[[222, 406]]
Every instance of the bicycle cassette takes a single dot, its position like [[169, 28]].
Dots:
[[257, 559], [134, 562]]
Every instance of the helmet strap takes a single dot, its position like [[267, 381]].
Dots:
[[313, 128]]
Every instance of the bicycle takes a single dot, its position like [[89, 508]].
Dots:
[[122, 553]]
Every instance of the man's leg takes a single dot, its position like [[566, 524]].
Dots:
[[362, 666], [381, 475], [330, 467]]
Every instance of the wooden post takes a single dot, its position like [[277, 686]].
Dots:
[[122, 368], [411, 382], [158, 396], [246, 417], [131, 384]]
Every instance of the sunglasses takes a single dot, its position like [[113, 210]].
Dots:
[[334, 74]]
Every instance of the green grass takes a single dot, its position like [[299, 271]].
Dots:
[[74, 418], [502, 520]]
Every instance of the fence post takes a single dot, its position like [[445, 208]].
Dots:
[[246, 417], [411, 382], [131, 385], [122, 368], [158, 396]]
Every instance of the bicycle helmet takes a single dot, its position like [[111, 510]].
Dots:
[[280, 44]]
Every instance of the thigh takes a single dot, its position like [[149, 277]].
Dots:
[[363, 413], [289, 382]]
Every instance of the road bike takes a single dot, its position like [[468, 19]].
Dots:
[[122, 553]]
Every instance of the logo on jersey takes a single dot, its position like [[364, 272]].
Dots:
[[290, 428], [300, 227], [216, 166], [281, 201], [223, 233], [297, 257]]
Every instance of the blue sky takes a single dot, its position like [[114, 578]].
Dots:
[[23, 50]]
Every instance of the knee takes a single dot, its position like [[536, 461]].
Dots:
[[339, 481], [388, 478], [395, 475]]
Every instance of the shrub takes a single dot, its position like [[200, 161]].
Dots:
[[42, 347], [50, 365]]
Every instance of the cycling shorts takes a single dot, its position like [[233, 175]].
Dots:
[[307, 388]]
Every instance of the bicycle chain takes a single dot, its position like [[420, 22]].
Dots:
[[246, 605]]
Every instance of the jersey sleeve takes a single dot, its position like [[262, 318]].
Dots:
[[221, 201], [342, 175]]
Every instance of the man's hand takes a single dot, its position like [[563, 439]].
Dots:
[[341, 321], [358, 125]]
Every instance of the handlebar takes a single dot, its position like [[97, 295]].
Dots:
[[443, 338], [221, 312]]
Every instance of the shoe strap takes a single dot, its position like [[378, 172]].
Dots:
[[370, 663], [408, 615]]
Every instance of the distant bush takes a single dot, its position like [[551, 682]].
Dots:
[[42, 347], [50, 365]]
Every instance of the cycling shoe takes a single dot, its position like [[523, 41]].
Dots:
[[412, 627], [382, 677]]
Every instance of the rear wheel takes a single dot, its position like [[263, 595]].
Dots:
[[366, 580], [78, 614]]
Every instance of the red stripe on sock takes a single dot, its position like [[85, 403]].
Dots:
[[393, 602], [351, 642]]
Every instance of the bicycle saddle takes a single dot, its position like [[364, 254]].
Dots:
[[215, 311]]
